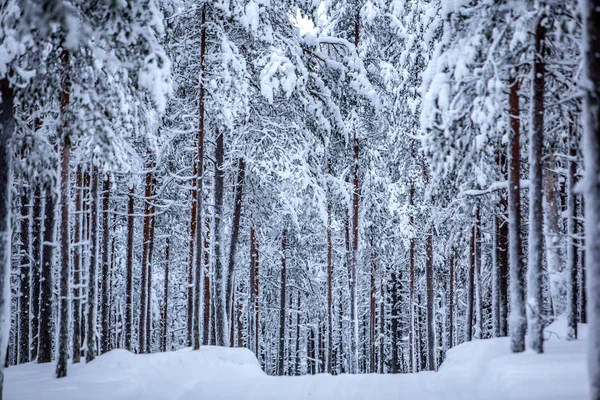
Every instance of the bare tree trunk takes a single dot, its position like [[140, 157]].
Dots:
[[65, 241], [394, 322], [25, 276], [536, 137], [496, 281], [282, 310], [90, 353], [77, 265], [430, 304], [144, 303], [251, 293], [372, 316], [478, 265], [46, 285], [105, 322], [517, 290], [206, 289], [220, 303], [451, 305], [150, 266], [199, 188], [165, 310], [235, 231], [354, 265], [591, 144], [36, 257], [129, 270], [329, 288], [470, 289], [411, 287], [6, 169], [572, 253]]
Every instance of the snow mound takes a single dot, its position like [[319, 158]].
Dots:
[[120, 374], [477, 370]]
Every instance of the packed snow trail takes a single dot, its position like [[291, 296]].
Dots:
[[482, 369]]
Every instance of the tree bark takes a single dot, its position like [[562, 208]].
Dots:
[[105, 342], [46, 285], [90, 353], [129, 269], [220, 303], [572, 253], [591, 144], [235, 232], [36, 257], [199, 188], [77, 266], [451, 305], [411, 284], [470, 289], [535, 245], [430, 305], [517, 325], [165, 310], [282, 309], [6, 169], [24, 277], [206, 289], [329, 288], [65, 242], [354, 265]]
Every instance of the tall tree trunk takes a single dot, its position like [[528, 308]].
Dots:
[[149, 270], [46, 285], [129, 269], [372, 311], [165, 310], [536, 137], [77, 265], [144, 295], [191, 265], [411, 285], [552, 233], [591, 144], [572, 253], [496, 281], [206, 289], [220, 303], [235, 231], [517, 319], [90, 353], [430, 304], [282, 310], [65, 260], [36, 257], [252, 338], [470, 289], [199, 188], [451, 304], [381, 333], [478, 266], [329, 288], [25, 276], [105, 322], [65, 242], [6, 167], [354, 265], [395, 306], [298, 311]]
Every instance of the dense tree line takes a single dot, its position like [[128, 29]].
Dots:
[[342, 186]]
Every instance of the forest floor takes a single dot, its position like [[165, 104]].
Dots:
[[482, 369]]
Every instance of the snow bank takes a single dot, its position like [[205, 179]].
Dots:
[[478, 370], [120, 374]]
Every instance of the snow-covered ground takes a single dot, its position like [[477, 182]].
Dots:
[[482, 369]]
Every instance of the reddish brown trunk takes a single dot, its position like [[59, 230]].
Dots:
[[411, 284], [207, 297], [129, 270], [165, 310], [77, 269]]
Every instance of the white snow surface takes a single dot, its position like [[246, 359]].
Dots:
[[482, 369]]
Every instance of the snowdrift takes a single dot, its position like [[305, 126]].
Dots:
[[482, 369]]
